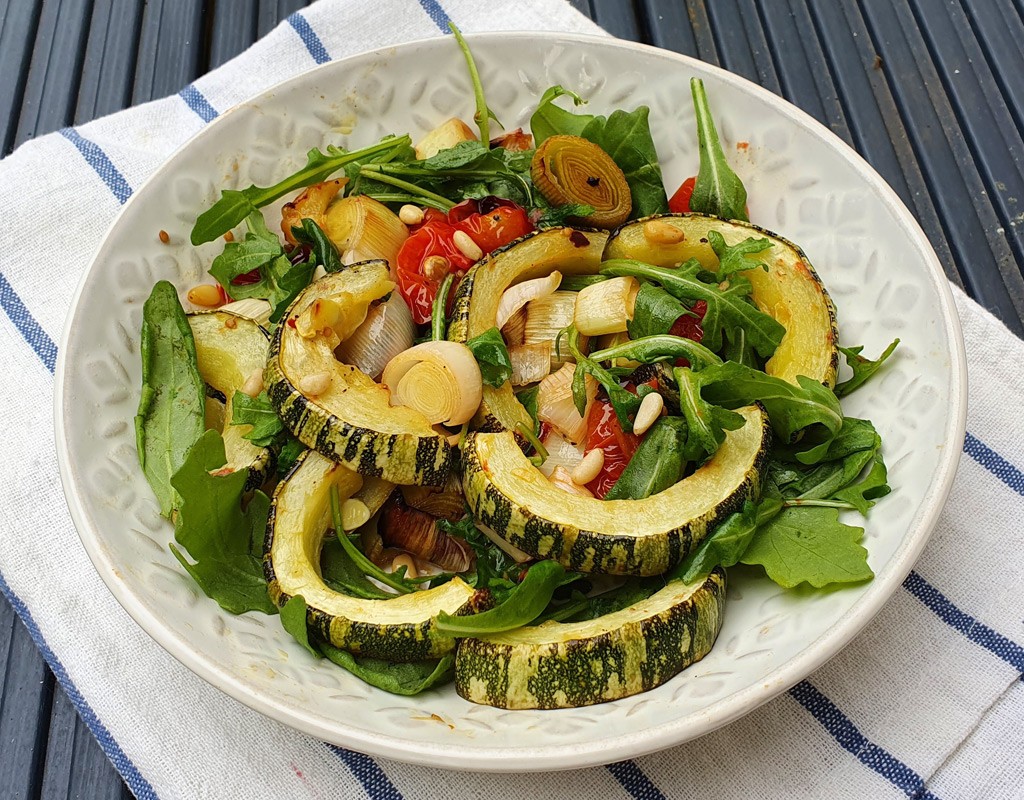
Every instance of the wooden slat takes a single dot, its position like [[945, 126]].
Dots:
[[232, 28], [987, 265], [18, 22], [617, 17], [75, 766], [24, 709], [52, 85], [108, 72], [741, 41], [171, 48]]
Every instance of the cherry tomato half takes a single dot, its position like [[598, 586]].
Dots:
[[689, 327], [491, 223], [679, 203]]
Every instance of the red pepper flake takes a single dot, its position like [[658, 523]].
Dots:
[[164, 236], [578, 239], [291, 322], [742, 146], [229, 237]]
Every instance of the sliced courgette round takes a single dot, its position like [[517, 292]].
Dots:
[[624, 537], [401, 629], [568, 665], [535, 255], [790, 291], [229, 349], [352, 421]]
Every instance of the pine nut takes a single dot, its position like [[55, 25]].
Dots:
[[205, 295], [315, 384], [648, 413], [658, 231], [410, 214], [589, 467], [436, 267], [405, 560], [467, 246], [354, 514], [254, 383]]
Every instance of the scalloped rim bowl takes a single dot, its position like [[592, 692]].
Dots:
[[803, 182]]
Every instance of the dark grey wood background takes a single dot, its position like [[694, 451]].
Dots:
[[931, 92]]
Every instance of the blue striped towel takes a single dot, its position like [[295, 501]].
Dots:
[[927, 702]]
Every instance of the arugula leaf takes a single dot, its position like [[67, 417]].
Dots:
[[234, 206], [550, 120], [706, 424], [493, 565], [790, 408], [624, 402], [324, 252], [577, 283], [734, 258], [280, 281], [210, 522], [293, 620], [648, 349], [340, 572], [726, 545], [171, 409], [809, 545], [654, 312], [404, 679], [657, 463], [289, 454], [221, 538], [554, 216], [528, 398], [717, 190], [236, 582], [438, 320], [521, 606], [863, 368], [491, 354], [736, 347], [582, 608], [626, 137], [258, 412], [483, 114], [727, 309], [463, 154], [862, 495]]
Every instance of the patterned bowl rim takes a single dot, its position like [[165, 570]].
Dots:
[[598, 750]]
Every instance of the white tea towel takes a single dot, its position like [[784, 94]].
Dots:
[[927, 702]]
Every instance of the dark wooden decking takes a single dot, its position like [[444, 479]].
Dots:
[[931, 92]]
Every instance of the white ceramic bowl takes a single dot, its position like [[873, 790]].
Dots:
[[803, 183]]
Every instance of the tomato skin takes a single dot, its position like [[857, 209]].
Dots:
[[431, 239], [690, 327], [497, 227], [679, 203], [604, 431], [491, 223]]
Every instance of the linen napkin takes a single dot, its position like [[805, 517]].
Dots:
[[927, 702]]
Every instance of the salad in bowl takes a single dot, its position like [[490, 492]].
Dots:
[[500, 410]]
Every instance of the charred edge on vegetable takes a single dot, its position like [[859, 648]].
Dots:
[[596, 669], [833, 368], [592, 551]]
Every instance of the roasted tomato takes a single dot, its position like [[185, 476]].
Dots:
[[679, 203]]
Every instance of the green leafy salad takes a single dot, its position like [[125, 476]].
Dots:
[[496, 409]]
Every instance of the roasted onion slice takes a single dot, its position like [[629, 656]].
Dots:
[[570, 169]]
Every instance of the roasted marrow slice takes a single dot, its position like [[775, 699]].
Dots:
[[790, 291], [229, 350], [506, 493], [350, 418], [401, 629], [567, 665], [535, 255]]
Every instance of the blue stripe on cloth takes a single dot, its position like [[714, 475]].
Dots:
[[437, 13], [853, 741], [1009, 651], [195, 100], [100, 161], [378, 786], [994, 463], [634, 781], [27, 326], [129, 772], [309, 38]]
